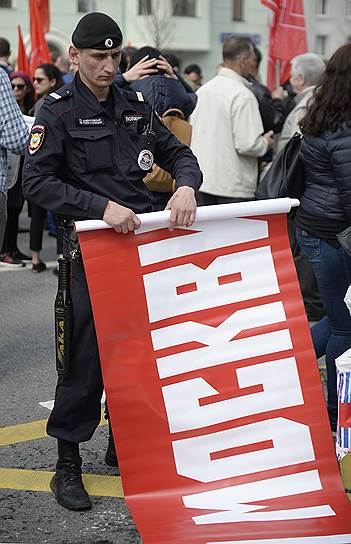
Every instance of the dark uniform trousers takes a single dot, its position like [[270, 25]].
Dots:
[[77, 408]]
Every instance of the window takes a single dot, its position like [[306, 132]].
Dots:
[[184, 8], [322, 7], [348, 8], [86, 6], [238, 10], [321, 45], [5, 4], [145, 7]]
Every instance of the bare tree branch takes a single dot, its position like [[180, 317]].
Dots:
[[159, 23]]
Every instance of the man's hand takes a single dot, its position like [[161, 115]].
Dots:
[[122, 219], [163, 64], [183, 208], [270, 139], [278, 93], [144, 68]]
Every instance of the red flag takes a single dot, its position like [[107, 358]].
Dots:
[[287, 36], [43, 8], [22, 59], [40, 50]]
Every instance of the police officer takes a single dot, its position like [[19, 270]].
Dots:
[[89, 150]]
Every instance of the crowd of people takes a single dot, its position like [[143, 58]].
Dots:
[[233, 124], [167, 89]]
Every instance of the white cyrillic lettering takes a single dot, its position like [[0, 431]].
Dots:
[[281, 388], [232, 500], [258, 279], [237, 350], [291, 445], [210, 235], [237, 322]]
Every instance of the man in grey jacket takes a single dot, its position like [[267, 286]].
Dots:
[[306, 72], [13, 137]]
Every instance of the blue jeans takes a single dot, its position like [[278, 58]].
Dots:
[[332, 335]]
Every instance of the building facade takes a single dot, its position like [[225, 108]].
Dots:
[[329, 25], [192, 29]]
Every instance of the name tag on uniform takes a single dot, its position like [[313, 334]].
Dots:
[[130, 118], [92, 122]]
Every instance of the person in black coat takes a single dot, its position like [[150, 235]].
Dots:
[[271, 110], [325, 210], [165, 88]]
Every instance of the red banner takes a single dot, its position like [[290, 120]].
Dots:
[[44, 15], [212, 383], [40, 50], [22, 59], [287, 37]]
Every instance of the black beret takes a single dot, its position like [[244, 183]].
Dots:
[[97, 31]]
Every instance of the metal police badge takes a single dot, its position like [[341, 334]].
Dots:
[[36, 138], [145, 159]]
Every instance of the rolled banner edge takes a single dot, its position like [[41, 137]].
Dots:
[[204, 213]]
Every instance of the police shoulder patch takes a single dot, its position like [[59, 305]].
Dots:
[[36, 138]]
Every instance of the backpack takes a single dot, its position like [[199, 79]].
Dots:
[[158, 179], [286, 176]]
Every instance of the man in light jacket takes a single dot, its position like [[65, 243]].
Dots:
[[227, 136]]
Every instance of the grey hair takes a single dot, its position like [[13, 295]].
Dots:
[[310, 65]]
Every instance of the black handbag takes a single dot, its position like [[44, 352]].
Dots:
[[286, 176], [344, 239]]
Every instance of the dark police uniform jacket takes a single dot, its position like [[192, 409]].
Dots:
[[81, 154]]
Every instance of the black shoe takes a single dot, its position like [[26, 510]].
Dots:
[[111, 456], [21, 256], [67, 483], [38, 267]]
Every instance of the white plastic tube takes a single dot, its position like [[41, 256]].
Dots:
[[205, 213]]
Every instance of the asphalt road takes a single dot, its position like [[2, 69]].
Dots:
[[27, 378]]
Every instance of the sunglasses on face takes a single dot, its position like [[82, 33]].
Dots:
[[39, 79], [19, 86]]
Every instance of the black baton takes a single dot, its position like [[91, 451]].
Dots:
[[63, 317]]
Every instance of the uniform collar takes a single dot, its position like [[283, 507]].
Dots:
[[90, 106], [120, 102], [228, 72]]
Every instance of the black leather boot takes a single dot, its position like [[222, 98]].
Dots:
[[67, 483], [111, 456]]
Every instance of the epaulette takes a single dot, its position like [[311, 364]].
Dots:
[[63, 92], [135, 96]]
